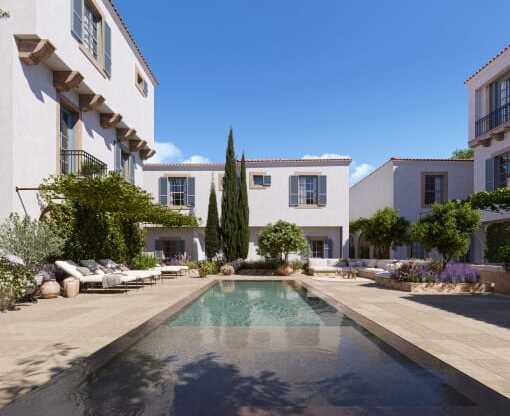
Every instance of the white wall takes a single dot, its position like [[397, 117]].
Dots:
[[372, 193], [271, 204], [29, 103], [408, 183]]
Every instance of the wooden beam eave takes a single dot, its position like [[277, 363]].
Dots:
[[90, 102], [110, 120], [34, 51], [66, 80]]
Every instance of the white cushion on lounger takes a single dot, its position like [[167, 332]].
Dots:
[[386, 275]]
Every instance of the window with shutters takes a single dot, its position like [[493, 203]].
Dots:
[[141, 83], [434, 188], [177, 192], [502, 170], [308, 191], [94, 34]]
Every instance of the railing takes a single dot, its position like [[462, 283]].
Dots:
[[81, 163], [492, 120]]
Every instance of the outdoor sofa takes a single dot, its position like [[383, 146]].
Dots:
[[320, 265]]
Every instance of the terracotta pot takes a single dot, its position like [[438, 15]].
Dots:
[[71, 287], [284, 270], [7, 298], [50, 289]]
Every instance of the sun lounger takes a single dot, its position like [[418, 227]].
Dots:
[[98, 279], [142, 274]]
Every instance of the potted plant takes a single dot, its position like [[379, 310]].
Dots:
[[278, 241]]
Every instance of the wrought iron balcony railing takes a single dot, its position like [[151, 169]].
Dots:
[[81, 163], [492, 120]]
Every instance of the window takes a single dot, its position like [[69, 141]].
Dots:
[[308, 192], [434, 189], [94, 34], [172, 249], [502, 170], [320, 248], [141, 83], [177, 191], [260, 180], [91, 29]]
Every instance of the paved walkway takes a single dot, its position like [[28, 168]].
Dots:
[[469, 332], [40, 340]]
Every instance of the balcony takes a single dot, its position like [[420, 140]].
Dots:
[[496, 118], [81, 163]]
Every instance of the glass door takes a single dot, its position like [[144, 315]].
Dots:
[[68, 161]]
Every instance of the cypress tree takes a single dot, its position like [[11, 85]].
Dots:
[[229, 203], [212, 228], [243, 212]]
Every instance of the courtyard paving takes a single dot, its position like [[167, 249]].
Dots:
[[468, 332]]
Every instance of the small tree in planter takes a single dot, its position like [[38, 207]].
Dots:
[[447, 228], [279, 240]]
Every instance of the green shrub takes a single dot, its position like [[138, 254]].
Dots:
[[143, 262], [35, 242], [260, 265], [498, 236], [16, 278], [297, 265], [207, 267], [192, 265]]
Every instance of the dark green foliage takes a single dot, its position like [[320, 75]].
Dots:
[[212, 228], [243, 238], [498, 237], [99, 217], [229, 217], [278, 240], [385, 229], [463, 154], [497, 201], [447, 228], [143, 262]]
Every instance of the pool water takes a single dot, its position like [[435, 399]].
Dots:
[[264, 348]]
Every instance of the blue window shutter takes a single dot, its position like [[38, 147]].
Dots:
[[158, 245], [132, 163], [293, 191], [107, 50], [267, 180], [190, 197], [118, 158], [145, 88], [76, 18], [489, 175], [163, 191], [323, 190]]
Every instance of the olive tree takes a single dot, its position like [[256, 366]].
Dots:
[[447, 228], [280, 239]]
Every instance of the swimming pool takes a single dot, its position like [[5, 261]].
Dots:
[[262, 348]]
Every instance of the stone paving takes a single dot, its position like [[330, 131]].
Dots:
[[469, 332], [40, 340]]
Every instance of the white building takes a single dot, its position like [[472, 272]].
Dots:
[[77, 96], [489, 136], [311, 193], [411, 186]]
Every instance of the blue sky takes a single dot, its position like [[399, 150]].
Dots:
[[368, 79]]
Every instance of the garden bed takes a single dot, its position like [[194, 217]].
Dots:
[[433, 287]]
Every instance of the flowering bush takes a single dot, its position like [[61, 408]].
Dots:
[[434, 273]]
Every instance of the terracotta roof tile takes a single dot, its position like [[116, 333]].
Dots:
[[501, 52]]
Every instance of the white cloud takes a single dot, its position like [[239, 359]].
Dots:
[[359, 171], [166, 152], [196, 159], [325, 156]]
